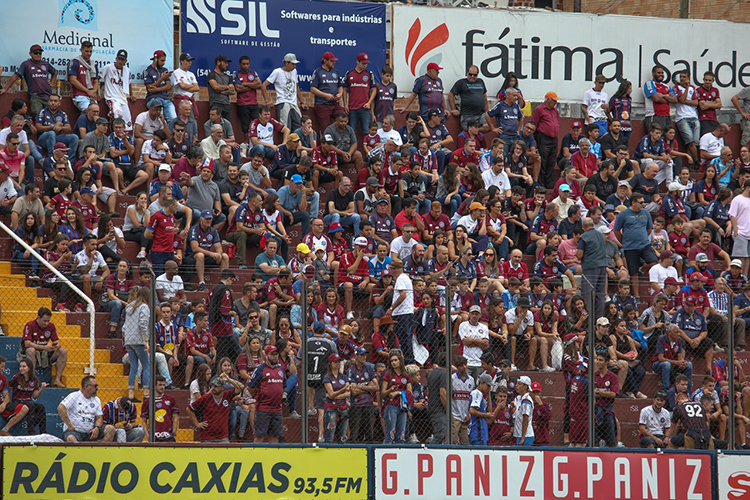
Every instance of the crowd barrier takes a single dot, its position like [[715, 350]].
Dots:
[[57, 472]]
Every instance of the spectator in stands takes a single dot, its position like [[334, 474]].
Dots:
[[651, 149], [395, 386], [654, 422], [191, 127], [358, 94], [53, 126], [288, 95], [708, 102], [734, 278], [29, 203], [340, 207], [344, 142], [564, 202], [134, 336], [40, 77], [508, 118], [262, 131], [121, 414], [474, 104], [160, 229], [658, 97], [203, 194], [214, 425], [168, 423], [204, 249], [717, 311], [220, 86], [213, 143], [83, 76], [429, 89], [146, 124], [712, 142], [739, 213], [156, 77], [267, 387], [631, 229], [541, 225], [14, 156], [585, 162], [185, 84], [81, 412], [215, 118], [547, 119], [670, 356]]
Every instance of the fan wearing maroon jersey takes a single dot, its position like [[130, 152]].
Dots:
[[215, 406], [167, 420], [41, 346], [267, 387]]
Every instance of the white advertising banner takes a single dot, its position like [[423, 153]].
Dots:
[[734, 476], [60, 26], [563, 51]]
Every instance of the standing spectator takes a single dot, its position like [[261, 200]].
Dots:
[[41, 346], [328, 91], [547, 119], [185, 84], [214, 405], [541, 416], [658, 96], [739, 214], [474, 104], [204, 194], [363, 384], [654, 423], [385, 96], [436, 389], [336, 408], [595, 105], [267, 387], [161, 230], [81, 412], [156, 77], [462, 385], [607, 388], [220, 316], [592, 253], [744, 110], [166, 420], [246, 84], [523, 428], [475, 339], [116, 78], [709, 101], [395, 387], [134, 336], [620, 106], [631, 229], [508, 118], [286, 83], [480, 412], [220, 86], [53, 126], [429, 89], [402, 309], [83, 76], [40, 77], [686, 114]]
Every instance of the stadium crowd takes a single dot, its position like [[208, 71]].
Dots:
[[425, 212]]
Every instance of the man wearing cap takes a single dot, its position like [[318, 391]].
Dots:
[[87, 208], [474, 104], [146, 123], [475, 224], [663, 270], [620, 197], [220, 86], [695, 289], [440, 137], [267, 387], [83, 76], [717, 314], [523, 408], [429, 89], [364, 385], [40, 78], [480, 411], [203, 250], [734, 277], [305, 170], [285, 82], [569, 144], [366, 198], [547, 119], [327, 89], [595, 107], [203, 194], [214, 426], [117, 90], [508, 118], [701, 268], [287, 155], [53, 126], [475, 339], [564, 201], [355, 275], [156, 77], [185, 84], [694, 329], [293, 204]]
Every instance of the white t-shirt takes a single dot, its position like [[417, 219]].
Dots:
[[157, 155], [392, 135], [182, 76], [111, 244], [500, 180], [403, 282], [7, 190], [265, 133], [82, 411], [468, 331], [594, 100], [83, 259], [401, 248], [712, 144], [740, 209], [656, 423], [22, 139], [461, 395], [116, 82], [149, 126], [659, 273], [170, 287], [194, 387], [510, 318], [470, 224], [285, 85], [524, 406], [683, 111]]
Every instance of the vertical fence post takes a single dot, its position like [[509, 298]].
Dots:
[[592, 369], [448, 364], [151, 382], [302, 377], [730, 371]]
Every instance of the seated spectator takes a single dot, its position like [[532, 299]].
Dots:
[[215, 118], [13, 156], [541, 225], [212, 144], [651, 149], [717, 218], [673, 207], [268, 263], [86, 122], [122, 151], [340, 207], [570, 177], [694, 330], [701, 268], [711, 250], [516, 166], [712, 142], [325, 163], [88, 262], [169, 284], [204, 250], [734, 277], [344, 141], [414, 185], [287, 154], [82, 414], [53, 126], [262, 131], [654, 422], [585, 162], [121, 414], [647, 185], [293, 199], [659, 273], [588, 200], [146, 124]]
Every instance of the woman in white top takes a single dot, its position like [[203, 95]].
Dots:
[[200, 384], [274, 224], [136, 222]]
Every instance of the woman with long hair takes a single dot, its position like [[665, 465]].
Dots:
[[395, 382], [227, 367], [110, 238], [429, 321], [336, 409], [511, 81], [250, 358], [545, 331], [489, 267], [707, 188], [611, 312], [135, 336], [472, 180], [620, 106], [26, 390], [74, 228], [449, 188], [275, 223], [516, 168], [412, 131], [495, 326], [672, 148], [577, 320], [28, 231], [61, 258], [286, 332], [439, 238], [626, 348], [85, 178], [49, 229], [136, 222], [331, 312], [459, 241], [201, 383], [288, 362]]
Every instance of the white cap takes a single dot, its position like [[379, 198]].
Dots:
[[675, 186], [525, 380], [166, 167], [604, 229], [736, 262], [361, 241], [475, 308]]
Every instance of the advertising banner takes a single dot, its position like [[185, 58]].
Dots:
[[65, 472], [564, 51], [513, 474], [267, 30], [60, 26], [734, 476]]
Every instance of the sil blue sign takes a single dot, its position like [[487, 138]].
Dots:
[[267, 30]]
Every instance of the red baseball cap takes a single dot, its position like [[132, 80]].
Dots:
[[208, 163], [271, 348], [334, 357], [363, 57], [158, 54], [433, 66], [536, 386], [331, 57], [671, 281], [576, 124], [691, 301]]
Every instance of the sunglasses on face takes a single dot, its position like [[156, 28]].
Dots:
[[14, 143], [37, 52]]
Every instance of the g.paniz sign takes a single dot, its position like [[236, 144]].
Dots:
[[564, 51]]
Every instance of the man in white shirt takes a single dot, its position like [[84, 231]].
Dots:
[[388, 133], [286, 84], [654, 423], [462, 384], [475, 338], [402, 246], [595, 105], [184, 83], [496, 176], [116, 78], [712, 142], [665, 269], [402, 309], [81, 412], [170, 283], [519, 328], [88, 262], [523, 405], [686, 114]]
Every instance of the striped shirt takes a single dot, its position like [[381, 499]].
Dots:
[[461, 395], [719, 302]]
